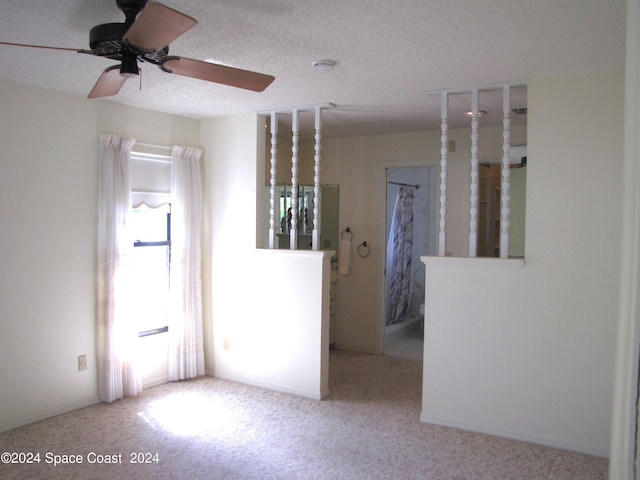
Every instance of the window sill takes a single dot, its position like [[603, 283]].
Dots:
[[155, 331]]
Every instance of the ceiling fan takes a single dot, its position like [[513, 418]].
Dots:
[[145, 36]]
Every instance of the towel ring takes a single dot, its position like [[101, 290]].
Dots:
[[364, 250], [346, 230]]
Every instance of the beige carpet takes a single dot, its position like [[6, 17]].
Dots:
[[213, 429]]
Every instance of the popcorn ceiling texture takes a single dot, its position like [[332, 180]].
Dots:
[[389, 54], [213, 429]]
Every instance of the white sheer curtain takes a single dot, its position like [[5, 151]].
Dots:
[[186, 352], [116, 330]]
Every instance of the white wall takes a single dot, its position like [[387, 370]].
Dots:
[[528, 352], [270, 307], [47, 249], [48, 189], [552, 359], [47, 253]]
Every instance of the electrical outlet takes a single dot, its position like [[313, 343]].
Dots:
[[82, 362], [226, 344]]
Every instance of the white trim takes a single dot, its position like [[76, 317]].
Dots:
[[624, 416], [496, 86], [299, 108], [531, 438], [383, 167], [52, 412], [320, 395], [484, 261], [296, 253], [154, 382]]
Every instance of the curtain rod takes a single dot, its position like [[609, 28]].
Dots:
[[153, 146], [152, 192], [404, 184], [150, 157]]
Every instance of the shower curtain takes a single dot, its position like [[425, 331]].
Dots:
[[399, 256]]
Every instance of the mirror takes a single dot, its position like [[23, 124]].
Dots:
[[328, 213]]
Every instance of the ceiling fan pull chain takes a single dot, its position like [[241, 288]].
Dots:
[[140, 79]]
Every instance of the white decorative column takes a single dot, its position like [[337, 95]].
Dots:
[[505, 184], [272, 190], [295, 199], [473, 201], [295, 136], [315, 240], [444, 149]]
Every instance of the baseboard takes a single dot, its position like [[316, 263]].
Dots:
[[520, 436], [69, 407], [154, 382], [338, 346], [274, 387]]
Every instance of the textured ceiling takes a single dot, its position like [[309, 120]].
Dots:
[[389, 54]]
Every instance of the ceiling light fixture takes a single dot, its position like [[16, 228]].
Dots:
[[129, 67], [323, 66], [481, 113]]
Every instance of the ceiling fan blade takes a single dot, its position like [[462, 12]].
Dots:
[[212, 72], [78, 50], [156, 27], [109, 83]]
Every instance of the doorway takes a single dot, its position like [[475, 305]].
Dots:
[[411, 220]]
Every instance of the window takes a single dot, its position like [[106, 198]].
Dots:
[[151, 230]]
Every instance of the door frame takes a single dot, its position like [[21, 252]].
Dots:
[[382, 239], [623, 459]]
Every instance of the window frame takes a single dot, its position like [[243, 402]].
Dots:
[[158, 243]]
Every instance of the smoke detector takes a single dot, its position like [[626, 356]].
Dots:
[[323, 66]]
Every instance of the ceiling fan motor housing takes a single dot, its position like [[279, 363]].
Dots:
[[131, 8], [106, 41]]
